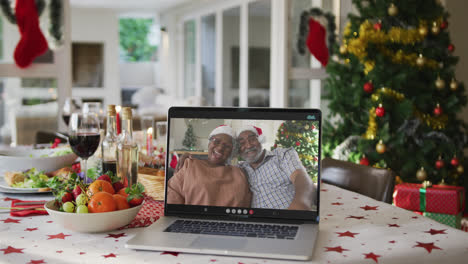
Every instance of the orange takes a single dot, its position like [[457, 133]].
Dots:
[[102, 202], [121, 201], [100, 186], [122, 192]]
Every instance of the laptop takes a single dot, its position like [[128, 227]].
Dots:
[[246, 205]]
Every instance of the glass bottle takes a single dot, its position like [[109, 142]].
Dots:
[[109, 144], [127, 151]]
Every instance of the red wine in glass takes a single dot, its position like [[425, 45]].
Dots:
[[84, 144]]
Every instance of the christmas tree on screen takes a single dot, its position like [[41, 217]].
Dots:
[[394, 94], [303, 137], [189, 139]]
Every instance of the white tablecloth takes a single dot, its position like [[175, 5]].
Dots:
[[353, 229]]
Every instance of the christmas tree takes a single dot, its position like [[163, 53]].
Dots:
[[303, 137], [394, 93], [189, 139]]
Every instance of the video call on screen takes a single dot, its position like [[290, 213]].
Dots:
[[273, 167]]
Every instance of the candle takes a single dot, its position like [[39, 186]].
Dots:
[[117, 119], [149, 141]]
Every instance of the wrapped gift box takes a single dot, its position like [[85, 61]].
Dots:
[[440, 199], [447, 219]]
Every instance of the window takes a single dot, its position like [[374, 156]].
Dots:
[[138, 38]]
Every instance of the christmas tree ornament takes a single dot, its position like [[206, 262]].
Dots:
[[375, 97], [421, 174], [435, 29], [439, 164], [364, 161], [451, 47], [442, 182], [439, 83], [380, 147], [368, 87], [453, 85], [298, 143], [438, 110], [343, 49], [378, 26], [392, 10], [444, 24], [426, 184], [422, 30], [420, 61], [306, 127], [380, 111], [454, 161], [460, 169]]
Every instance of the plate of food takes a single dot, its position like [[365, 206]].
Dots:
[[31, 181]]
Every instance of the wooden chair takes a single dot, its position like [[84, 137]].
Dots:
[[369, 181]]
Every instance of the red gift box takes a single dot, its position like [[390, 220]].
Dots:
[[440, 199]]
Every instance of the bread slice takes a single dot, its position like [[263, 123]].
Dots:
[[12, 177]]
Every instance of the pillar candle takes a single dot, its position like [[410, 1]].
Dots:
[[117, 119], [149, 141]]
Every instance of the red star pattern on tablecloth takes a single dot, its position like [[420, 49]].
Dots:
[[435, 232], [10, 220], [31, 229], [111, 255], [415, 217], [10, 249], [346, 234], [36, 261], [337, 203], [393, 225], [58, 236], [356, 217], [428, 246], [338, 249], [116, 235], [82, 253], [59, 251], [213, 260], [170, 253], [392, 241], [373, 256], [324, 190], [367, 207]]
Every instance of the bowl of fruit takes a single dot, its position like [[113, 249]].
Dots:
[[95, 207]]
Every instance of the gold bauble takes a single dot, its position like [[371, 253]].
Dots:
[[453, 85], [435, 29], [375, 97], [420, 60], [343, 49], [439, 83], [442, 182], [460, 169], [422, 31], [380, 147], [421, 174], [392, 10]]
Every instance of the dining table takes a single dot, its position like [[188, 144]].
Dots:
[[353, 228]]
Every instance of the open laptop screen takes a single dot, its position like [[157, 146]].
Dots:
[[243, 162]]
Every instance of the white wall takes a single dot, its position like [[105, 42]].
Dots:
[[99, 26]]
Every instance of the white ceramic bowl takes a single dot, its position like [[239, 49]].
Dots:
[[20, 159], [92, 222]]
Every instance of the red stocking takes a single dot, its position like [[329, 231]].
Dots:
[[32, 42], [316, 42]]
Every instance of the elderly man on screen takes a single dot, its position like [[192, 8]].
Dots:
[[277, 178]]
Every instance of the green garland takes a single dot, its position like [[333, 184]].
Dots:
[[303, 29], [56, 11]]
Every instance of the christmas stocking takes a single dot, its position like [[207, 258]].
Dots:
[[316, 42], [32, 42]]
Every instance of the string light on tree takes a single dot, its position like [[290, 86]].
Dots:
[[422, 30], [380, 111], [438, 110], [380, 147], [392, 10], [421, 174], [435, 29], [439, 83], [453, 85]]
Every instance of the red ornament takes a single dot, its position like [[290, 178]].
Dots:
[[451, 47], [364, 161], [438, 110], [380, 111], [368, 87], [378, 26], [439, 164], [444, 25], [275, 146], [454, 161], [298, 143]]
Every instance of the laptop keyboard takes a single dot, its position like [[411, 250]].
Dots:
[[233, 229]]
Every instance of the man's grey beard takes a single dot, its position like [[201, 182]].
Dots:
[[254, 159]]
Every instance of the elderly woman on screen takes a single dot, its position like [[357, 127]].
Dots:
[[211, 182]]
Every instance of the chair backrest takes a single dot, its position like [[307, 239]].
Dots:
[[369, 181]]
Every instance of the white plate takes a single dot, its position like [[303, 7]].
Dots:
[[5, 188]]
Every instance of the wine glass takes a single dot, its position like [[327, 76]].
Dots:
[[94, 107], [70, 105], [84, 136]]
